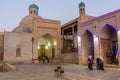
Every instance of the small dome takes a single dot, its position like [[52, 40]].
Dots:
[[33, 6], [81, 4]]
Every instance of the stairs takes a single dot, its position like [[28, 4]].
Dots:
[[111, 66]]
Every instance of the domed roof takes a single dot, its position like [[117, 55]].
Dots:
[[81, 4], [33, 6], [27, 20], [26, 24]]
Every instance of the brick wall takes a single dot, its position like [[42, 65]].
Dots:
[[1, 46]]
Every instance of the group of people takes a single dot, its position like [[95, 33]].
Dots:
[[44, 59], [99, 63]]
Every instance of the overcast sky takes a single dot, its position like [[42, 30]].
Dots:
[[12, 11]]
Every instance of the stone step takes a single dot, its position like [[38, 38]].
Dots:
[[112, 66]]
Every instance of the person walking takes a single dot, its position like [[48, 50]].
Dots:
[[43, 59], [98, 62], [90, 62], [47, 59], [101, 63]]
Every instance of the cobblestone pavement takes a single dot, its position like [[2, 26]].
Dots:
[[46, 72]]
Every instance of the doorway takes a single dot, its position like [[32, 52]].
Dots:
[[46, 47], [108, 39], [87, 46]]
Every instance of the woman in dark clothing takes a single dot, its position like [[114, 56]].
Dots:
[[47, 59], [101, 65], [98, 62], [90, 63]]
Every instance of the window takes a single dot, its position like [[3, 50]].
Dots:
[[34, 12], [18, 51], [31, 12]]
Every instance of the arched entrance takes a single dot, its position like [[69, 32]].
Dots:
[[109, 45], [87, 46], [46, 47]]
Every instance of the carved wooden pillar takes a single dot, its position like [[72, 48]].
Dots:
[[62, 40], [73, 34]]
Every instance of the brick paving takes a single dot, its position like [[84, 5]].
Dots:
[[46, 72]]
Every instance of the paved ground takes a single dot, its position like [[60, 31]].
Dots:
[[46, 72]]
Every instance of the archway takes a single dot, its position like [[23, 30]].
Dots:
[[46, 47], [87, 46], [108, 41]]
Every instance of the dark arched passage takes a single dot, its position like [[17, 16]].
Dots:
[[87, 46], [109, 45]]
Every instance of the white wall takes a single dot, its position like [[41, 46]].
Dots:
[[11, 42]]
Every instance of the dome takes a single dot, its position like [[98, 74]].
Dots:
[[28, 20], [81, 4], [33, 6], [26, 23]]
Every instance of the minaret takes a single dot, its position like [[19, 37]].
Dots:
[[81, 8], [33, 9]]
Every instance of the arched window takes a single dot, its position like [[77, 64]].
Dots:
[[34, 12], [31, 12], [18, 52], [83, 10]]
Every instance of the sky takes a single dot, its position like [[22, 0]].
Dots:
[[12, 11]]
